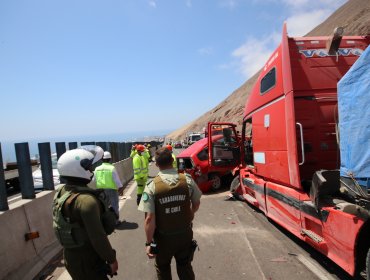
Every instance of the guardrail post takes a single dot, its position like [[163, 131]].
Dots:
[[22, 153], [114, 152], [61, 148], [128, 148], [103, 145], [3, 195], [87, 143], [72, 145], [110, 149], [46, 166], [122, 150]]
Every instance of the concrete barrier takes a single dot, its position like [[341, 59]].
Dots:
[[125, 170], [21, 259]]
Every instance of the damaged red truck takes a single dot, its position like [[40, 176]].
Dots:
[[289, 155]]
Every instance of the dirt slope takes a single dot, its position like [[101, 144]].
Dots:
[[354, 16]]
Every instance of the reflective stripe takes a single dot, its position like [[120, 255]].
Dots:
[[140, 167]]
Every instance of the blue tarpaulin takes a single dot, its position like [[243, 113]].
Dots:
[[354, 120]]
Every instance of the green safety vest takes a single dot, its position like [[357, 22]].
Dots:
[[104, 176], [133, 153], [140, 167], [146, 155], [174, 163]]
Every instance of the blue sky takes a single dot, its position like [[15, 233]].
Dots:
[[88, 67]]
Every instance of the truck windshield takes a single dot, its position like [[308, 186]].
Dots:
[[195, 138]]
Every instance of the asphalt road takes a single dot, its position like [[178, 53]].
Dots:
[[235, 240]]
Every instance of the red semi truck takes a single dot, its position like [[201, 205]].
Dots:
[[289, 160]]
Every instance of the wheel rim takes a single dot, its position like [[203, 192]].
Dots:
[[216, 182]]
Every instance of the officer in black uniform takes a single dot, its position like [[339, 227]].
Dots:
[[170, 202]]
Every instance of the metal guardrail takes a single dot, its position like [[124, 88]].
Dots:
[[118, 150]]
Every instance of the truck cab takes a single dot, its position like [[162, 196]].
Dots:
[[289, 154]]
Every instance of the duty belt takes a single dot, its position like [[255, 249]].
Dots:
[[174, 232]]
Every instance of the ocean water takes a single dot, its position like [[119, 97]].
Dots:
[[8, 149]]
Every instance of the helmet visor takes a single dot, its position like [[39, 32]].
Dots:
[[97, 151]]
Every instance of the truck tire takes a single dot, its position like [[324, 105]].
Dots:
[[216, 181], [367, 266]]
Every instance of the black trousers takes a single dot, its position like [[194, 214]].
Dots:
[[179, 247], [84, 264]]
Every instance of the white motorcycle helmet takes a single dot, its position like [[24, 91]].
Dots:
[[78, 163]]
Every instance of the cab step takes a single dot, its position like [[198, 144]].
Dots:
[[309, 233]]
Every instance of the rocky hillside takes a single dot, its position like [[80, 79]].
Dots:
[[354, 16]]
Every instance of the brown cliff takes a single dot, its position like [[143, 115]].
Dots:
[[354, 16]]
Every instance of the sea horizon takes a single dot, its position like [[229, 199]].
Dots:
[[8, 148]]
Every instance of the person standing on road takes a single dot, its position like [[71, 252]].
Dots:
[[169, 203], [82, 219], [174, 163], [106, 178], [149, 155], [133, 151], [140, 166]]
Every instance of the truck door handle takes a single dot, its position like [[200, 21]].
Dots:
[[302, 142]]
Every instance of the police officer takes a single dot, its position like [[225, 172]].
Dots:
[[170, 202], [106, 178], [81, 218], [140, 166]]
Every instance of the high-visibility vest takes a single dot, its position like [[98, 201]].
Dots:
[[174, 163], [133, 153], [104, 176], [140, 167], [146, 155]]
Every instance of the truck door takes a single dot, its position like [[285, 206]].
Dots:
[[224, 146]]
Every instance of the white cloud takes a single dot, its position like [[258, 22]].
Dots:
[[231, 4], [206, 51], [306, 15], [302, 16], [254, 53], [153, 4], [300, 24], [189, 4], [313, 5]]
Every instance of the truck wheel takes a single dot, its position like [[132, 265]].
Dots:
[[235, 184], [367, 265], [216, 181]]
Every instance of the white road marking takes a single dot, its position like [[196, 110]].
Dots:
[[131, 189], [14, 198], [263, 277], [315, 268]]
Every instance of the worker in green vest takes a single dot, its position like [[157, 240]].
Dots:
[[133, 151], [140, 166], [82, 219], [174, 163], [148, 146], [170, 202], [107, 178]]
